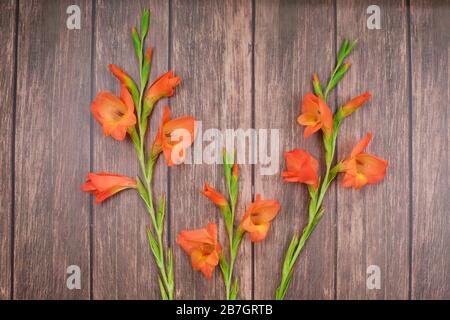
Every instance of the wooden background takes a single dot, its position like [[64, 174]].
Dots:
[[244, 64]]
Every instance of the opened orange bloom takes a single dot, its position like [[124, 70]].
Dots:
[[203, 248], [362, 168], [114, 114], [315, 116], [258, 217], [216, 197], [105, 185], [162, 87], [301, 167], [355, 103], [174, 137]]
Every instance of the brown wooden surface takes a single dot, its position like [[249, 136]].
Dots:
[[286, 56], [430, 42], [122, 264], [7, 51], [52, 151], [373, 223], [210, 50], [244, 64]]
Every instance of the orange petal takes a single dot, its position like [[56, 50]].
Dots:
[[307, 119], [310, 103], [361, 145], [310, 130]]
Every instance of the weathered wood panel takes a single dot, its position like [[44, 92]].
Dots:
[[211, 52], [403, 230], [373, 222], [294, 39], [123, 265], [7, 63], [430, 48], [52, 151]]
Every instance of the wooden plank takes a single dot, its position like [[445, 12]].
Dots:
[[212, 53], [373, 226], [123, 266], [430, 48], [52, 151], [293, 40], [7, 50]]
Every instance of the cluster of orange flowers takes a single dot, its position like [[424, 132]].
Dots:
[[117, 116], [360, 168], [202, 244], [128, 114]]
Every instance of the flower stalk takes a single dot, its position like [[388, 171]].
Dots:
[[315, 209], [130, 113], [163, 258], [234, 234]]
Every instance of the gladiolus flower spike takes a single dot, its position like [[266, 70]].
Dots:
[[256, 222], [359, 168], [130, 113]]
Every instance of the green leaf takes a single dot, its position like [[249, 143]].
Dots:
[[337, 77], [342, 52], [149, 165], [224, 265], [161, 212], [170, 265], [142, 191], [317, 218], [233, 190], [228, 217], [137, 44], [148, 108], [234, 290], [145, 23], [135, 138], [164, 295], [227, 166], [145, 74], [155, 248], [238, 238], [289, 254], [350, 48]]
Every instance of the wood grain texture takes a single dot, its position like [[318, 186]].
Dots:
[[402, 224], [211, 52], [430, 48], [52, 151], [7, 50], [123, 266], [373, 222], [294, 39]]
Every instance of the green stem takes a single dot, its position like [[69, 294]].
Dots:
[[315, 205], [168, 286], [234, 239]]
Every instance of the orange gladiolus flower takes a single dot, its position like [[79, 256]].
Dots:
[[162, 87], [362, 168], [258, 217], [105, 185], [355, 103], [114, 114], [174, 137], [216, 197], [315, 116], [301, 167], [203, 248]]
